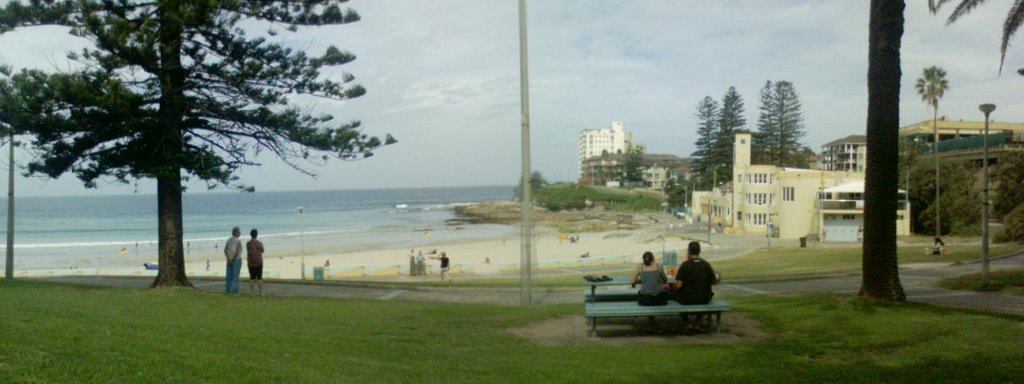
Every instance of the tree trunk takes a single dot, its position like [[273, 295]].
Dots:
[[881, 276], [172, 256], [169, 148]]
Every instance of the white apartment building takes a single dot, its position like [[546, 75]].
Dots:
[[846, 154], [593, 142], [791, 203]]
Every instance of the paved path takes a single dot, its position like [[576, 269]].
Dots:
[[918, 282]]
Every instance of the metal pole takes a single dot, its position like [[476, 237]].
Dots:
[[9, 270], [526, 248], [935, 154], [302, 245], [711, 204], [987, 109]]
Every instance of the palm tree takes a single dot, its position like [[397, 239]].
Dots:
[[881, 275], [932, 86], [1013, 21]]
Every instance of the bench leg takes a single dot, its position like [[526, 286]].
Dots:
[[718, 323], [593, 327]]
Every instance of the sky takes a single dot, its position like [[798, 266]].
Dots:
[[443, 78]]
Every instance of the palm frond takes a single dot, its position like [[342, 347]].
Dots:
[[1013, 22], [934, 5], [965, 7]]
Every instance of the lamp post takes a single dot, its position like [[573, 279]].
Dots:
[[9, 268], [711, 203], [987, 109], [302, 245]]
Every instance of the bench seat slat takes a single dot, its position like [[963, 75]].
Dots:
[[628, 308]]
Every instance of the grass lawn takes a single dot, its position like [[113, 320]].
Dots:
[[54, 334], [762, 264], [786, 263], [1006, 281]]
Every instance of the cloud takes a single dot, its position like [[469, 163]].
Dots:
[[443, 77]]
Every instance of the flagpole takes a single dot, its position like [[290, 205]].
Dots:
[[526, 247]]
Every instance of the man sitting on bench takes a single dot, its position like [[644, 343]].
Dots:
[[693, 285]]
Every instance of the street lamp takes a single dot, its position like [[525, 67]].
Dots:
[[9, 268], [987, 109], [302, 245]]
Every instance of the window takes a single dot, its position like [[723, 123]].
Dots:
[[788, 193], [759, 219], [848, 217]]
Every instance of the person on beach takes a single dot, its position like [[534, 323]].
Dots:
[[444, 267], [412, 262], [693, 284], [651, 276], [421, 264], [254, 259], [233, 256]]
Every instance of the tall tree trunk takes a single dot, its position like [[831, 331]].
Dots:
[[881, 276], [168, 179]]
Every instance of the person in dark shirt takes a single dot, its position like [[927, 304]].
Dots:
[[693, 283]]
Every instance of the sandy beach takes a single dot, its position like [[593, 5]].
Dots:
[[473, 256]]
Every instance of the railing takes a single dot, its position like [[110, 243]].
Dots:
[[850, 204]]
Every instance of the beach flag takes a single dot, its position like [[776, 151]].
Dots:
[[124, 250]]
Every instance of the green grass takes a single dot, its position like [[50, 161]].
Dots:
[[1007, 281], [557, 197], [55, 334], [788, 263]]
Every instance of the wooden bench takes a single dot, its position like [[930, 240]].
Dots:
[[600, 309]]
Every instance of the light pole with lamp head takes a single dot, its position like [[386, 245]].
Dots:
[[987, 109], [302, 245]]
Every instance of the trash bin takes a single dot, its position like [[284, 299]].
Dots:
[[318, 273], [803, 242]]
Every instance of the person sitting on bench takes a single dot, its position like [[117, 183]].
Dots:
[[693, 284], [651, 276]]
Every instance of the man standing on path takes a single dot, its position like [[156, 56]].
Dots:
[[254, 252], [233, 256]]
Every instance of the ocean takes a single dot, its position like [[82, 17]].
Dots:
[[117, 231]]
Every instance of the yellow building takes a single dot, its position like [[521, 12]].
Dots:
[[790, 202]]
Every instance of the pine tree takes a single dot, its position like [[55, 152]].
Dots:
[[730, 119], [707, 134], [174, 86], [790, 119], [780, 125], [766, 137]]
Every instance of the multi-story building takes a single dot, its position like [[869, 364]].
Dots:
[[595, 142], [602, 169], [964, 140], [847, 154], [790, 203]]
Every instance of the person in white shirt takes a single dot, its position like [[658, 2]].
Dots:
[[233, 256]]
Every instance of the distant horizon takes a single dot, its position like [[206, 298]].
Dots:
[[227, 191]]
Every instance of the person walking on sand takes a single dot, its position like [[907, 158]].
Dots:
[[444, 267], [254, 252], [233, 255]]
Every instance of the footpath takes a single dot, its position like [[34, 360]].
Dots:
[[919, 283]]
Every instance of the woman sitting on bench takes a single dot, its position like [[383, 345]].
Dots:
[[651, 276]]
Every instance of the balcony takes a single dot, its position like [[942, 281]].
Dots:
[[849, 205]]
